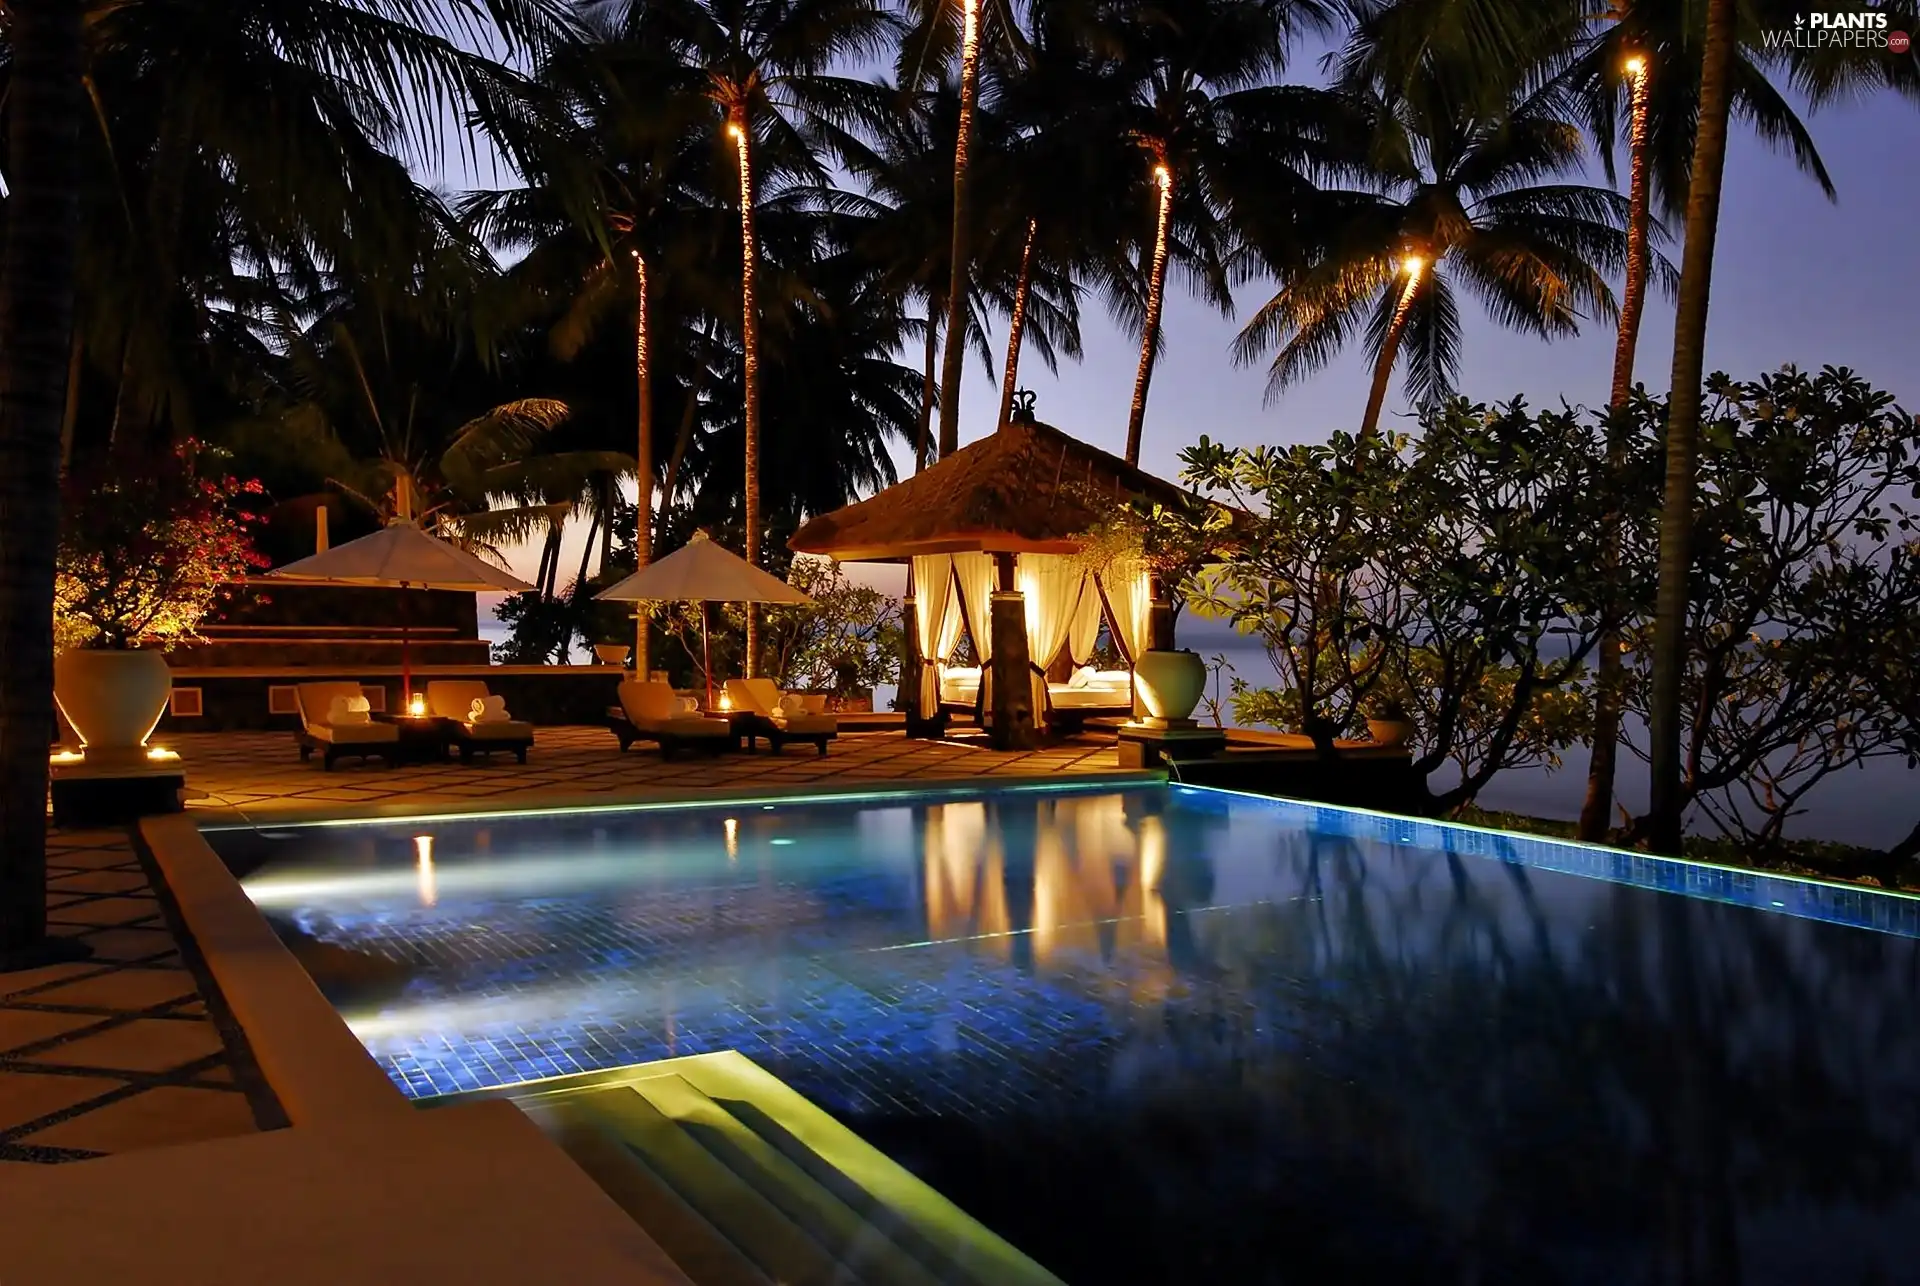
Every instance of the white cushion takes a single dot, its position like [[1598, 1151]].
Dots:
[[1081, 677], [354, 734]]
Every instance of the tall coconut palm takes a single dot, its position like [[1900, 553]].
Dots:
[[1664, 821], [1641, 63], [1447, 192], [36, 307], [946, 30], [1178, 103], [764, 67]]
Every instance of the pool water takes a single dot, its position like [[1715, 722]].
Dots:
[[1176, 1035]]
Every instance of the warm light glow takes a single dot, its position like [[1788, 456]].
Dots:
[[1635, 65], [1413, 265], [735, 133], [68, 757], [1163, 176], [726, 702], [733, 839], [423, 866], [156, 752], [417, 706]]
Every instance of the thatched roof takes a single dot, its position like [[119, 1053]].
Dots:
[[1027, 489]]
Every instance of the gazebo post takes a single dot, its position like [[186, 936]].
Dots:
[[1012, 727], [909, 698]]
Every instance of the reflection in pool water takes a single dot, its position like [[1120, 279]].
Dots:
[[1173, 1035]]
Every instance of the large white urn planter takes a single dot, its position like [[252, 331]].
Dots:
[[1170, 685], [113, 699]]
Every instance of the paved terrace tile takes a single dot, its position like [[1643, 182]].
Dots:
[[128, 1049], [259, 774]]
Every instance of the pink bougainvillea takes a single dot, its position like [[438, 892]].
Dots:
[[150, 542]]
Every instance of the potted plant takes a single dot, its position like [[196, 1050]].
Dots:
[[1388, 723], [1171, 544], [150, 542]]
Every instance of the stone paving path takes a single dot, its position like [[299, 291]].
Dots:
[[129, 1049], [259, 774]]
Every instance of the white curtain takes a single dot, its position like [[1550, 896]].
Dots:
[[1051, 584], [1129, 595], [1085, 630], [975, 575], [936, 610]]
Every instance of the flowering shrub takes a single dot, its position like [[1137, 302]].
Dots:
[[150, 541]]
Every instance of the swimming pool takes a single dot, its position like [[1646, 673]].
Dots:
[[1173, 1034]]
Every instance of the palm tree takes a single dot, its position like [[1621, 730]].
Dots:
[[763, 65], [1651, 50], [927, 52], [1448, 191], [1683, 426], [1175, 102], [36, 306]]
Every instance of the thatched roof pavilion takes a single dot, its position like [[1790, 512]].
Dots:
[[1027, 489], [989, 526]]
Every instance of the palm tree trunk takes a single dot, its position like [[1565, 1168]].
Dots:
[[1383, 364], [36, 322], [1596, 812], [750, 350], [70, 411], [1683, 428], [953, 360], [642, 454], [1017, 326], [929, 389], [1150, 332], [689, 413]]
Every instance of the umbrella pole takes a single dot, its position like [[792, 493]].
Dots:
[[706, 655], [406, 655]]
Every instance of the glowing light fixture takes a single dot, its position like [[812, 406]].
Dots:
[[726, 702], [734, 132], [67, 757], [733, 838], [417, 706], [160, 755], [1635, 66], [1413, 266]]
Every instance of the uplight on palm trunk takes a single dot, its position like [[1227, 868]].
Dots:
[[1150, 330], [643, 453], [1412, 267], [1017, 326], [1596, 811], [953, 361], [750, 348]]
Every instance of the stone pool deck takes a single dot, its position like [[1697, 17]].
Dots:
[[129, 1049], [246, 776]]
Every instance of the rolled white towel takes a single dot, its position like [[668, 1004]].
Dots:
[[349, 710], [685, 705], [792, 703], [488, 710]]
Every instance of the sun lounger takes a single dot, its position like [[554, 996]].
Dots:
[[780, 717], [335, 720], [476, 721], [653, 711]]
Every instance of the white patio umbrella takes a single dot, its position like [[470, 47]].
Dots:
[[400, 556], [702, 572]]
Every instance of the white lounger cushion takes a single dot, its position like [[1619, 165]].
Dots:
[[656, 707], [455, 699], [766, 700], [317, 702]]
